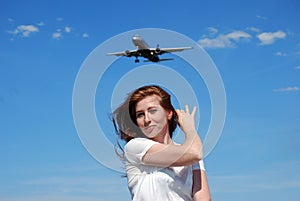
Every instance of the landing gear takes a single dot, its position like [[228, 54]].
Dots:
[[136, 60]]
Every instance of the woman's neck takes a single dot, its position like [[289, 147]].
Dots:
[[164, 139]]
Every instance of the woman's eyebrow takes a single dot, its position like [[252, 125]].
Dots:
[[149, 108], [152, 107], [139, 111]]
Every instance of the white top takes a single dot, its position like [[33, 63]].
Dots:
[[148, 183]]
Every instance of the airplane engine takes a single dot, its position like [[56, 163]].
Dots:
[[157, 50], [127, 52]]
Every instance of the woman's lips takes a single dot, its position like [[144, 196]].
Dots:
[[148, 128]]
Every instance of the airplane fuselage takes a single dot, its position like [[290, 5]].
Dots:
[[144, 48], [139, 42]]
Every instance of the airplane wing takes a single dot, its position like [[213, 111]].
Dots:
[[116, 54], [163, 59], [169, 50], [127, 53], [158, 51]]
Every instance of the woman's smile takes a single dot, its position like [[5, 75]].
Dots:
[[148, 129]]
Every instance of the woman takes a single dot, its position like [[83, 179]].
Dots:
[[158, 168]]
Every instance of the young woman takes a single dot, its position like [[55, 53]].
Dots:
[[158, 168]]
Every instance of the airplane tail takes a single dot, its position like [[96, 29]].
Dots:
[[164, 59]]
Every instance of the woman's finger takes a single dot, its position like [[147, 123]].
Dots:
[[194, 111], [187, 109]]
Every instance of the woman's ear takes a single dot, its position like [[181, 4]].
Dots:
[[170, 114]]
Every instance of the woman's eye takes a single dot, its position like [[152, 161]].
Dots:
[[139, 115], [152, 111]]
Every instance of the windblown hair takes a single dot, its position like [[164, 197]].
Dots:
[[124, 117]]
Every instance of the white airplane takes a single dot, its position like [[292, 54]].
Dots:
[[144, 50]]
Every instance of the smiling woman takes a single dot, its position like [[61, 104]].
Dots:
[[158, 168]]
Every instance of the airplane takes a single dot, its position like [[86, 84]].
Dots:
[[144, 50]]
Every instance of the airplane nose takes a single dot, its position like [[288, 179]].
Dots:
[[136, 37]]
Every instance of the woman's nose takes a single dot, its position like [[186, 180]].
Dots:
[[147, 118]]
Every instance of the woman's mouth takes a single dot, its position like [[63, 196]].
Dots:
[[148, 128]]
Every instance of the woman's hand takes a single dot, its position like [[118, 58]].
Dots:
[[186, 120], [172, 155]]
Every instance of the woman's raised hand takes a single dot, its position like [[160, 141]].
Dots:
[[186, 120]]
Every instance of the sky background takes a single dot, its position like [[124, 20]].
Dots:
[[254, 44]]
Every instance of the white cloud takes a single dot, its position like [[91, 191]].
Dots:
[[24, 30], [223, 41], [261, 17], [10, 20], [280, 54], [57, 35], [268, 38], [297, 67], [287, 89], [254, 29], [220, 42], [212, 30], [59, 19], [85, 35], [67, 29], [237, 35], [14, 32], [40, 23]]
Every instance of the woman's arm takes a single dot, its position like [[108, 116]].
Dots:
[[190, 152], [201, 190]]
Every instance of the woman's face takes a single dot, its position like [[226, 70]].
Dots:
[[152, 118]]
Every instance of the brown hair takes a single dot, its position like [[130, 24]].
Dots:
[[124, 117]]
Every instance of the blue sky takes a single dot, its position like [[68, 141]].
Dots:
[[254, 44]]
